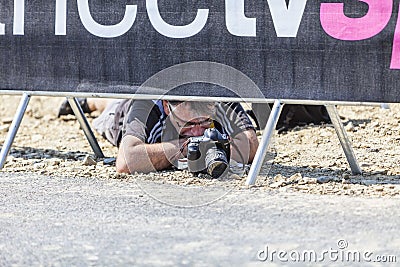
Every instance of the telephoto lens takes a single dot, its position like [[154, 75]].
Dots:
[[216, 162], [209, 153]]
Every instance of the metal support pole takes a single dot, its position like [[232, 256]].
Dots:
[[80, 116], [12, 132], [343, 138], [265, 140]]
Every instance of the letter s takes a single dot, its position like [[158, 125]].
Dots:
[[109, 31], [339, 26], [175, 31]]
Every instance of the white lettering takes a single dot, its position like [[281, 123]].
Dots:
[[236, 21], [2, 29], [108, 31], [19, 17], [287, 19], [61, 17], [175, 31], [262, 255]]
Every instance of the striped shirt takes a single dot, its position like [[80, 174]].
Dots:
[[147, 120]]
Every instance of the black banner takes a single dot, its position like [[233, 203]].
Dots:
[[296, 49]]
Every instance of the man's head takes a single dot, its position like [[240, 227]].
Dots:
[[190, 118]]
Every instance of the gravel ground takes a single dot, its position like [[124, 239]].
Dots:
[[308, 159]]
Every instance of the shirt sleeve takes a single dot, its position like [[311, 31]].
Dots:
[[137, 120], [233, 118]]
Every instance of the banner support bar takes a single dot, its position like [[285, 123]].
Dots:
[[80, 116], [344, 139], [12, 132], [264, 143]]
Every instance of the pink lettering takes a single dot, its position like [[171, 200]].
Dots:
[[339, 26], [395, 63]]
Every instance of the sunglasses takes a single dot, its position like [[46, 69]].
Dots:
[[188, 124]]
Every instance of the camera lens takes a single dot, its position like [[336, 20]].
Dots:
[[216, 162]]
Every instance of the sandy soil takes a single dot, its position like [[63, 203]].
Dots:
[[308, 159]]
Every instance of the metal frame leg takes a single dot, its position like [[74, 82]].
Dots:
[[80, 116], [12, 132], [265, 140], [343, 138]]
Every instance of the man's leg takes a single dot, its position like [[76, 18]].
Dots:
[[98, 104], [88, 105]]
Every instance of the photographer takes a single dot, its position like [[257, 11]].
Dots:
[[152, 135]]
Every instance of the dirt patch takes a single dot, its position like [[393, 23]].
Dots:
[[308, 159]]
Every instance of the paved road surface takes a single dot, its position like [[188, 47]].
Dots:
[[62, 221]]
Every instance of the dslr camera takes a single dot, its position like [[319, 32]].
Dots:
[[209, 153]]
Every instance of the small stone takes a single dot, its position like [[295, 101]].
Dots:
[[368, 182], [235, 177], [88, 161], [109, 161], [324, 179], [189, 181], [379, 188], [4, 128], [302, 187], [374, 124], [54, 162], [350, 127], [38, 166], [346, 176], [278, 178], [365, 164], [308, 180], [7, 120], [295, 178], [277, 184]]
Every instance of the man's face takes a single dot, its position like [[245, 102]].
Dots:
[[188, 122]]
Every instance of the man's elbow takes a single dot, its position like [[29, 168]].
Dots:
[[253, 143], [122, 167]]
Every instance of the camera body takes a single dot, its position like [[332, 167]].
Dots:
[[209, 153]]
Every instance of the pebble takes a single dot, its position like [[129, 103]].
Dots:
[[279, 177], [39, 166], [54, 162], [88, 161], [277, 184], [4, 128], [308, 180], [368, 182], [379, 188], [295, 178], [7, 120], [109, 161], [302, 187], [350, 127]]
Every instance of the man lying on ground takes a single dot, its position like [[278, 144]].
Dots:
[[152, 134]]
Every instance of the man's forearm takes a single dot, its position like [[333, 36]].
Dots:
[[148, 157], [244, 147]]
